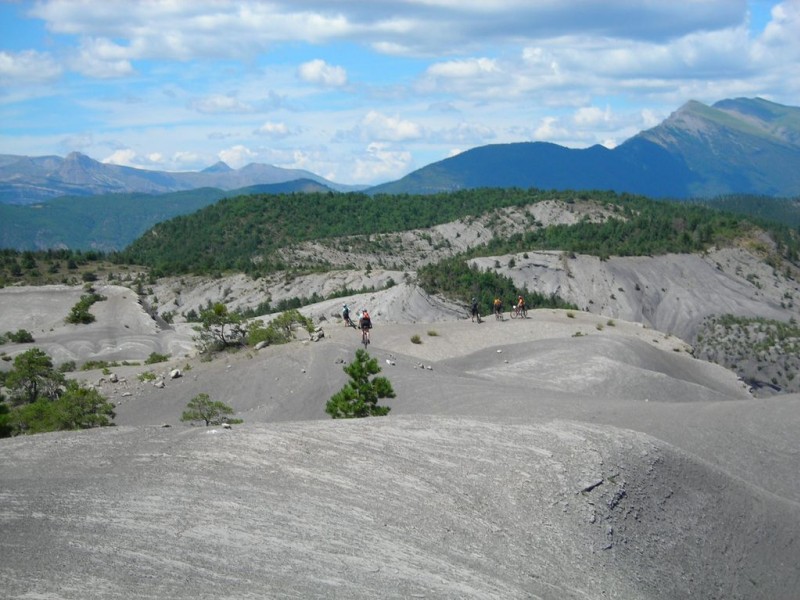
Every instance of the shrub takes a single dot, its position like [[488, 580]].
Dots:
[[21, 336], [155, 357], [67, 366], [280, 330], [79, 314], [415, 339], [433, 333]]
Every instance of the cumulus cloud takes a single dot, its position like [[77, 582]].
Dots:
[[376, 126], [28, 66], [125, 157], [273, 130], [321, 73], [237, 156], [381, 163], [590, 116], [101, 58], [210, 28]]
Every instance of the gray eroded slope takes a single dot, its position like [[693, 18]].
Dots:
[[393, 508]]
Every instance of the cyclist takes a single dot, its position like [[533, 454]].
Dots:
[[365, 324], [348, 322], [475, 310], [498, 308], [521, 306]]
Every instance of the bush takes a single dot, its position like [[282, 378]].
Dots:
[[280, 330], [155, 357], [76, 407], [415, 339], [67, 366], [79, 314], [20, 337]]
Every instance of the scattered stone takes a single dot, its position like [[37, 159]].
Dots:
[[159, 383], [175, 373], [499, 351], [593, 485], [113, 378], [261, 345], [226, 425], [126, 394], [166, 425]]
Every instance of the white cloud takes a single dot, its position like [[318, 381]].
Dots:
[[376, 126], [217, 104], [380, 163], [319, 72], [124, 157], [28, 66], [591, 116], [273, 130], [189, 159], [465, 133], [459, 69], [237, 156], [102, 58]]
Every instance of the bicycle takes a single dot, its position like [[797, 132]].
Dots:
[[521, 312], [365, 336], [498, 313]]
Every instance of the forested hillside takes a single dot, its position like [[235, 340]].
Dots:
[[243, 234]]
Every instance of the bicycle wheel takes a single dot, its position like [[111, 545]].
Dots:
[[514, 313]]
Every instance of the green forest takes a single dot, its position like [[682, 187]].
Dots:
[[245, 233], [242, 234]]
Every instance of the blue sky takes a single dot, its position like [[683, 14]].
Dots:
[[365, 91]]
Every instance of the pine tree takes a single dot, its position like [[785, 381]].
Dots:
[[359, 397]]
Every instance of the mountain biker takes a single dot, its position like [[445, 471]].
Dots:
[[365, 324], [475, 310], [498, 307], [346, 315], [520, 305]]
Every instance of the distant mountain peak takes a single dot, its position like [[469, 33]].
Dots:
[[217, 167], [78, 157]]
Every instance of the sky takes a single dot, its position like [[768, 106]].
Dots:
[[366, 91]]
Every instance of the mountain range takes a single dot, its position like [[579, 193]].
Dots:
[[740, 146], [28, 180], [736, 146], [742, 150]]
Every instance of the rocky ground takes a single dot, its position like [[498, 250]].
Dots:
[[568, 455], [572, 454]]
